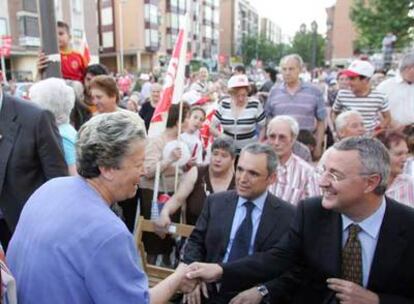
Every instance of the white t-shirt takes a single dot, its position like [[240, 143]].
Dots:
[[195, 145]]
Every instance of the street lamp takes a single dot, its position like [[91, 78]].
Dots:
[[314, 27], [302, 28], [121, 36]]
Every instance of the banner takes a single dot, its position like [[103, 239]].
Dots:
[[173, 87]]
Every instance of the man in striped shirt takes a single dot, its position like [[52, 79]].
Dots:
[[296, 179], [369, 102]]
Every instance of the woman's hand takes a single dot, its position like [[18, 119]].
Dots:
[[176, 154]]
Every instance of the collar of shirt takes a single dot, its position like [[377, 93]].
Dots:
[[301, 86], [258, 202], [288, 163], [399, 79], [371, 225]]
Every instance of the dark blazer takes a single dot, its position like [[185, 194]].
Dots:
[[311, 252], [30, 154], [210, 237]]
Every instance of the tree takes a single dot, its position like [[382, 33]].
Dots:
[[262, 49], [375, 18], [302, 44]]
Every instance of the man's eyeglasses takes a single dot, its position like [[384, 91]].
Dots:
[[335, 176]]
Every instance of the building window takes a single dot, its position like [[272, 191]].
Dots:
[[3, 26], [106, 16], [108, 39], [151, 13], [30, 6], [77, 34], [29, 26], [151, 38], [77, 6]]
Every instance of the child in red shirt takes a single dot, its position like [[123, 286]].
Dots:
[[73, 64]]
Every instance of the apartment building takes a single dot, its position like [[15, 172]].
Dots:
[[341, 33], [140, 34], [238, 18], [270, 30], [20, 19]]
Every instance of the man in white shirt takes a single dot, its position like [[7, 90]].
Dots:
[[400, 92]]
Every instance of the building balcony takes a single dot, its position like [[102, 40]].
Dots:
[[29, 41]]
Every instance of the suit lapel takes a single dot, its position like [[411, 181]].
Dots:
[[227, 212], [8, 131], [268, 221], [383, 263], [330, 243]]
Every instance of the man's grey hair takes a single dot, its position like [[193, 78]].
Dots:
[[104, 141], [257, 148], [373, 155], [54, 95], [406, 61], [296, 57], [291, 121], [342, 119]]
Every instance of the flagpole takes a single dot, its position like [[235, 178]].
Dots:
[[180, 117]]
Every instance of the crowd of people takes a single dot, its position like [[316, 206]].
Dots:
[[299, 192]]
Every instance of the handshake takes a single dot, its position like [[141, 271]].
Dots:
[[193, 278]]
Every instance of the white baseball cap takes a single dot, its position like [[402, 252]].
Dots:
[[238, 81], [359, 68], [144, 77]]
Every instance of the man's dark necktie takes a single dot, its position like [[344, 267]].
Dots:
[[241, 242], [352, 257]]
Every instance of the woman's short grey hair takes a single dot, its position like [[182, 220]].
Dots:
[[257, 148], [296, 57], [104, 141], [407, 61], [54, 95], [226, 144], [342, 119], [373, 155], [292, 122]]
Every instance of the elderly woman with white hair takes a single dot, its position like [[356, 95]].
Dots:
[[54, 95]]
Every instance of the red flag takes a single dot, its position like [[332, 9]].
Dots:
[[173, 83], [84, 50]]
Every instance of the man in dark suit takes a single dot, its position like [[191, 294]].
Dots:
[[353, 245], [220, 233], [30, 154]]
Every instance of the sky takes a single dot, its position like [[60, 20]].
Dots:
[[290, 14]]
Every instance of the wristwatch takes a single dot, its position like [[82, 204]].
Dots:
[[262, 290]]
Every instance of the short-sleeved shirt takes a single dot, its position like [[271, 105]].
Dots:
[[243, 129], [69, 247], [73, 65], [68, 135], [306, 105], [369, 106], [401, 98]]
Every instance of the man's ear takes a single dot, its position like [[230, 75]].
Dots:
[[107, 173], [372, 182], [272, 178]]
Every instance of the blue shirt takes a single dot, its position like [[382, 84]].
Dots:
[[69, 247], [368, 236], [68, 135], [306, 105], [238, 218]]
